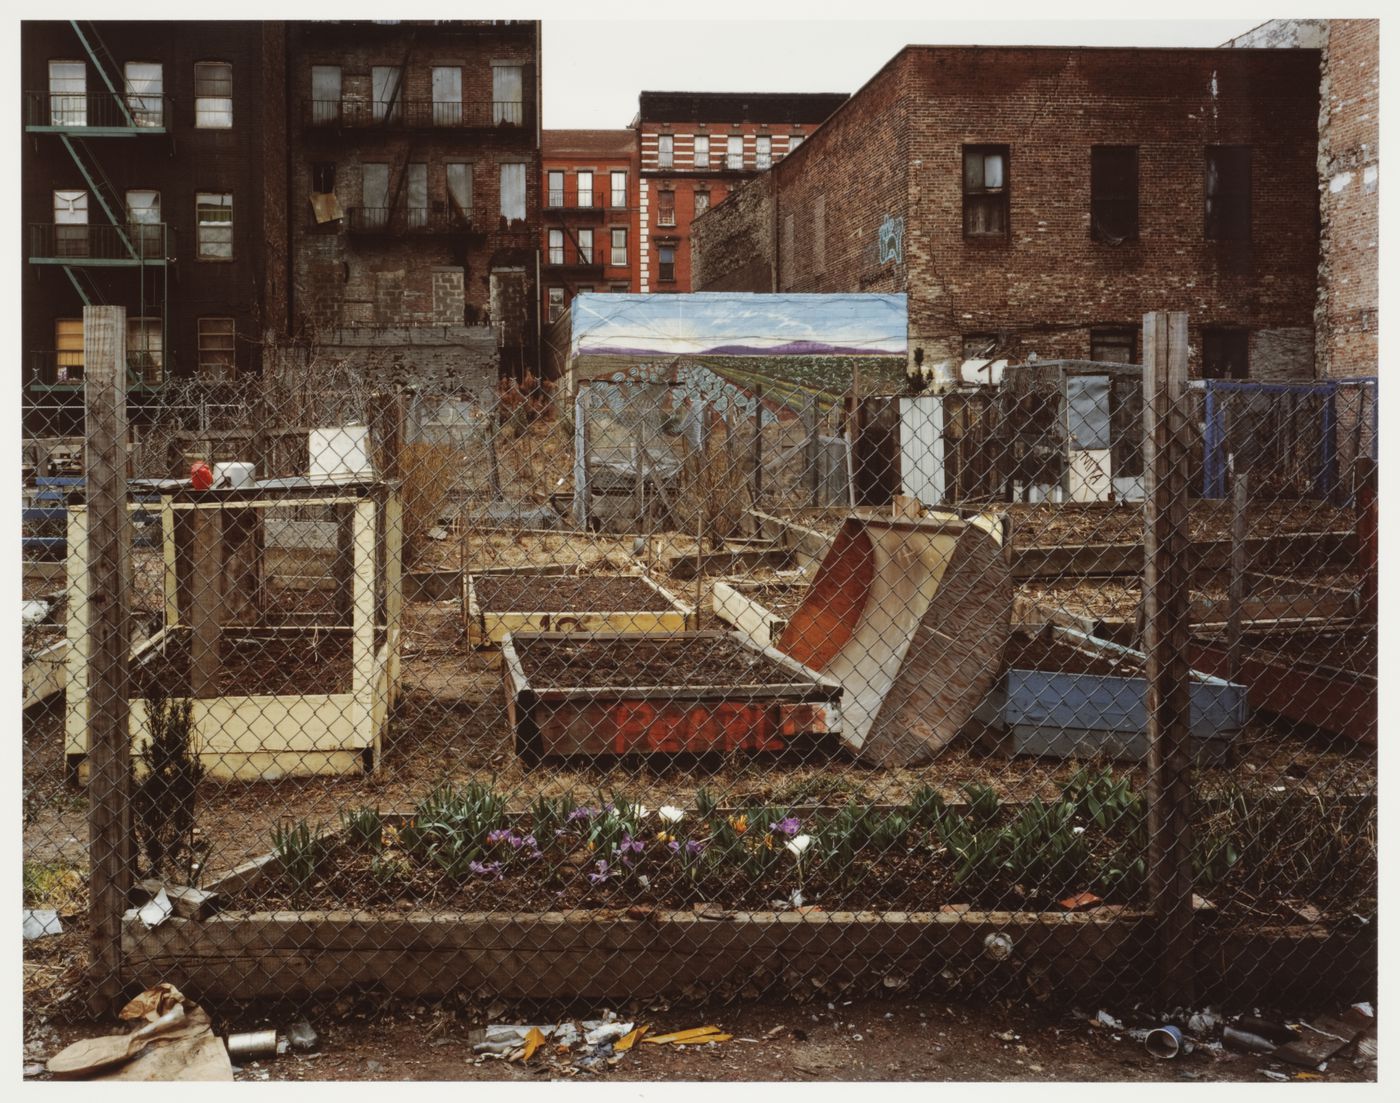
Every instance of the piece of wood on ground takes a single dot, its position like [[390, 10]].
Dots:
[[1322, 1036]]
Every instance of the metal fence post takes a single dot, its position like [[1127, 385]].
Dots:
[[108, 750], [1166, 601]]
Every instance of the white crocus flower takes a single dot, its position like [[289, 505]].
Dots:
[[798, 845], [670, 814]]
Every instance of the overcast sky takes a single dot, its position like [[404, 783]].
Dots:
[[592, 71]]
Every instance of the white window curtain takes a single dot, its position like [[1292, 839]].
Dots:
[[325, 94], [70, 216], [736, 152], [556, 246], [513, 191], [619, 249], [619, 189], [447, 96], [702, 151], [585, 189], [145, 88], [763, 152], [459, 188], [143, 215], [555, 198], [508, 95], [67, 93], [585, 246], [418, 194]]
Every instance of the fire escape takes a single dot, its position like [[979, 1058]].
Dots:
[[81, 120]]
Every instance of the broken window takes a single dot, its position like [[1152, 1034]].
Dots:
[[734, 158], [145, 93], [763, 152], [665, 151], [585, 246], [1113, 193], [1113, 346], [618, 259], [213, 95], [1227, 193], [702, 151], [508, 96], [447, 95], [702, 203], [585, 189], [666, 263], [556, 246], [556, 189], [1224, 353], [666, 207], [619, 189], [145, 356], [143, 219], [513, 190], [417, 204], [384, 92], [986, 192], [70, 217], [68, 341], [374, 195], [67, 93], [459, 189], [214, 225], [556, 303], [325, 94], [323, 177], [215, 348]]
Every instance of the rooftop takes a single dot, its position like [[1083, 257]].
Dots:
[[738, 107]]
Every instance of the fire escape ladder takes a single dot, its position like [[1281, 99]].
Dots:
[[104, 62], [102, 190]]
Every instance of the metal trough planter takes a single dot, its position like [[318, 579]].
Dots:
[[671, 713], [1060, 714]]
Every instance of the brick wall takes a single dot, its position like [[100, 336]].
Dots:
[[733, 242]]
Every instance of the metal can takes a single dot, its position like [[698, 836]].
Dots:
[[257, 1043]]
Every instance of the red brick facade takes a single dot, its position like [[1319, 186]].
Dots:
[[876, 201]]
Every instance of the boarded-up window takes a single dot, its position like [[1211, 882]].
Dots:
[[375, 195], [459, 189], [145, 356], [67, 93], [447, 96], [325, 94], [216, 360], [1227, 193], [618, 259], [214, 225], [213, 95], [986, 190], [702, 151], [1113, 190], [145, 93], [1113, 346], [417, 194], [513, 190], [819, 234], [508, 96], [384, 90], [143, 219], [70, 216], [585, 246], [666, 208], [68, 341]]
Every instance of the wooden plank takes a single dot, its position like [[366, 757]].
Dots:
[[108, 571], [206, 600], [1166, 598]]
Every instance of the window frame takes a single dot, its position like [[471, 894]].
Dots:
[[145, 231], [325, 112], [139, 103], [459, 207], [700, 208], [977, 197], [555, 196], [386, 94], [763, 151], [446, 112], [662, 263], [524, 185], [613, 191], [1113, 336], [505, 111], [1107, 201], [585, 252], [68, 106], [202, 347], [1229, 213], [696, 154], [1222, 334], [665, 151], [554, 246], [551, 302], [64, 330], [730, 153], [202, 108], [579, 191], [613, 247], [665, 202], [200, 226]]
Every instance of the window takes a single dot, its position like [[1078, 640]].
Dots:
[[666, 207], [618, 259], [323, 177], [556, 303], [508, 96], [68, 341], [619, 189], [585, 189], [585, 246], [213, 95], [143, 220], [702, 203], [556, 190], [145, 93], [215, 348], [384, 93], [666, 263], [1224, 353], [702, 151], [513, 190], [1113, 346], [459, 190], [374, 195], [70, 216], [145, 356], [1113, 193], [556, 246], [763, 152], [214, 225], [618, 288], [1227, 193], [735, 157], [986, 194], [325, 94], [447, 96], [417, 212], [67, 93], [665, 151], [794, 141]]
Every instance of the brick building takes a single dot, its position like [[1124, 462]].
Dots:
[[1042, 199], [414, 164], [697, 147], [589, 240], [153, 178]]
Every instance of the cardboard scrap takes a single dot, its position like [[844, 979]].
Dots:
[[1321, 1038], [533, 1040], [174, 1041], [1081, 901], [696, 1036], [627, 1041]]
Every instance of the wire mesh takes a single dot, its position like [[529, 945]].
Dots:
[[685, 681]]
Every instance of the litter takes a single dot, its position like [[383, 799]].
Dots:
[[40, 923], [1081, 901], [175, 1042], [1164, 1042], [157, 911], [1103, 1018], [699, 1035], [300, 1036]]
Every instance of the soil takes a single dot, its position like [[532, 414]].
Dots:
[[779, 598], [641, 662], [1354, 652], [552, 593], [309, 662], [1040, 651]]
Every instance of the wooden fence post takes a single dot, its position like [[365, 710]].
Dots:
[[758, 445], [1166, 599], [108, 568], [1239, 564]]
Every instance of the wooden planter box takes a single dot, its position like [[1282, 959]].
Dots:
[[738, 604], [668, 719], [489, 629], [1066, 715]]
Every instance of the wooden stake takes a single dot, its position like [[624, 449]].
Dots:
[[109, 641], [1166, 629], [758, 445], [1239, 562]]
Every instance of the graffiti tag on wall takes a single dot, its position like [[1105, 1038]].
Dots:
[[892, 240]]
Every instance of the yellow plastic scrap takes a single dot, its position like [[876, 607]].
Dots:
[[533, 1040], [627, 1041], [696, 1036]]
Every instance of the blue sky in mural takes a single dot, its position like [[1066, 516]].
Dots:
[[734, 324]]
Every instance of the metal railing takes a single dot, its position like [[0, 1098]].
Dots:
[[85, 111], [63, 369], [418, 114], [138, 243], [405, 220]]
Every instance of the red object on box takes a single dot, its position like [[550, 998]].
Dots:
[[201, 477]]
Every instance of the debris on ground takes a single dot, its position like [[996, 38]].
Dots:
[[301, 1037], [588, 1046], [696, 1036], [40, 923]]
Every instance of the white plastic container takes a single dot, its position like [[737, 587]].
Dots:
[[235, 474], [340, 453]]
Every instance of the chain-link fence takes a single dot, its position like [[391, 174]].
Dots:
[[676, 682]]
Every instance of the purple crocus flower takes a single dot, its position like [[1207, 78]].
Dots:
[[602, 874], [788, 826], [529, 840], [693, 847], [486, 869], [630, 845], [584, 813], [674, 847], [500, 835]]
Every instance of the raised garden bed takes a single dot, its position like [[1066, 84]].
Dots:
[[1066, 694], [561, 599], [760, 610], [685, 692]]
